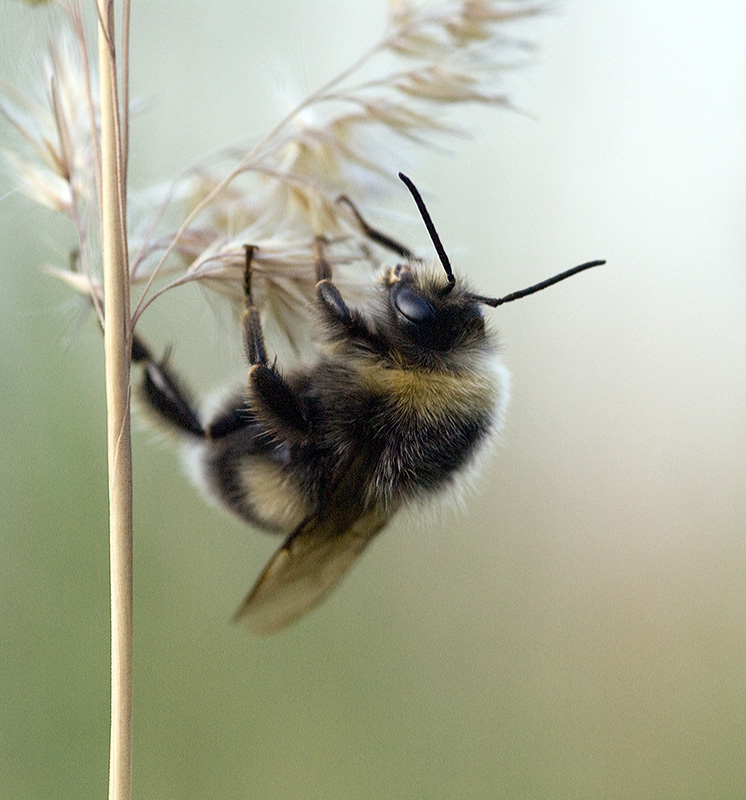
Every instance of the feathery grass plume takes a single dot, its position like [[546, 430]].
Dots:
[[57, 161], [349, 137], [277, 195]]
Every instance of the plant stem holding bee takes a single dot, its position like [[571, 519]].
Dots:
[[117, 348]]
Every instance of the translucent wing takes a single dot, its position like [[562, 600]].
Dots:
[[311, 562]]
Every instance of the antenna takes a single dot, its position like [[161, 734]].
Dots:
[[439, 249], [495, 301]]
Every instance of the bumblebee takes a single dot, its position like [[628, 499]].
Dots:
[[397, 406]]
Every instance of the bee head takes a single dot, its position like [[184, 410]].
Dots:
[[442, 317], [428, 320]]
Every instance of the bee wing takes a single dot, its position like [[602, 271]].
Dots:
[[311, 562]]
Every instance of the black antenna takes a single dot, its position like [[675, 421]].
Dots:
[[439, 249], [495, 301]]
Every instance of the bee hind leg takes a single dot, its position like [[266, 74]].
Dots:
[[163, 392]]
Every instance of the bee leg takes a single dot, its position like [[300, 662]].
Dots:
[[274, 399], [163, 392], [276, 402], [327, 293], [373, 234], [336, 311], [253, 338], [320, 264]]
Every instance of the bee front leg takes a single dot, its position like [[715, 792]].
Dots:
[[327, 293], [272, 399], [375, 235], [336, 311], [321, 265]]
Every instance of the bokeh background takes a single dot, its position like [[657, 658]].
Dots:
[[580, 632]]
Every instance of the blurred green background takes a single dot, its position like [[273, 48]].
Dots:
[[580, 632]]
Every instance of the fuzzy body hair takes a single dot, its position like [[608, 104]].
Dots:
[[401, 402], [410, 428]]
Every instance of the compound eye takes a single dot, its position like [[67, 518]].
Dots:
[[413, 306]]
